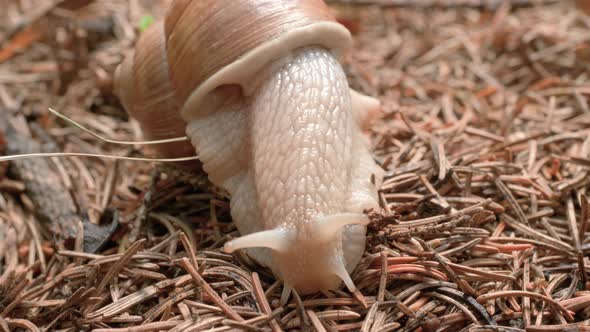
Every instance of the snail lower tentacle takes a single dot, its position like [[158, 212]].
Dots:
[[293, 158]]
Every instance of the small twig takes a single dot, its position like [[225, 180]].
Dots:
[[200, 282], [514, 293], [263, 301]]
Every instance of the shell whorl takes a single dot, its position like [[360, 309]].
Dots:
[[220, 42], [205, 44], [142, 82]]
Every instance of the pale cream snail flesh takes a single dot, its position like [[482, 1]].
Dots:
[[258, 88]]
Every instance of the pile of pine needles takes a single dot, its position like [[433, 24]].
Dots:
[[485, 140]]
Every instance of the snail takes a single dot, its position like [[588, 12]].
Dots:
[[258, 88], [584, 5]]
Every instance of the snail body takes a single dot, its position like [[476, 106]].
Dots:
[[274, 122]]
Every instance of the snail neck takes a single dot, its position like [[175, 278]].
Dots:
[[284, 152], [301, 130]]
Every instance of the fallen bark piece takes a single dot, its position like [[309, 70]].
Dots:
[[54, 205]]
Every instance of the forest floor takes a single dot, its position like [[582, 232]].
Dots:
[[485, 140]]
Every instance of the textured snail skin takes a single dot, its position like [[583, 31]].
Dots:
[[293, 157], [257, 87]]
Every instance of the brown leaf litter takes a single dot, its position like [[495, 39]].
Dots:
[[484, 220]]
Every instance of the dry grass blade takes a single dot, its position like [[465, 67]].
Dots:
[[315, 321], [536, 234], [484, 139], [581, 327], [261, 297], [200, 282], [121, 263], [151, 327], [550, 301]]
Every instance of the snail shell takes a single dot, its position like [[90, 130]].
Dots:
[[143, 84], [268, 109]]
